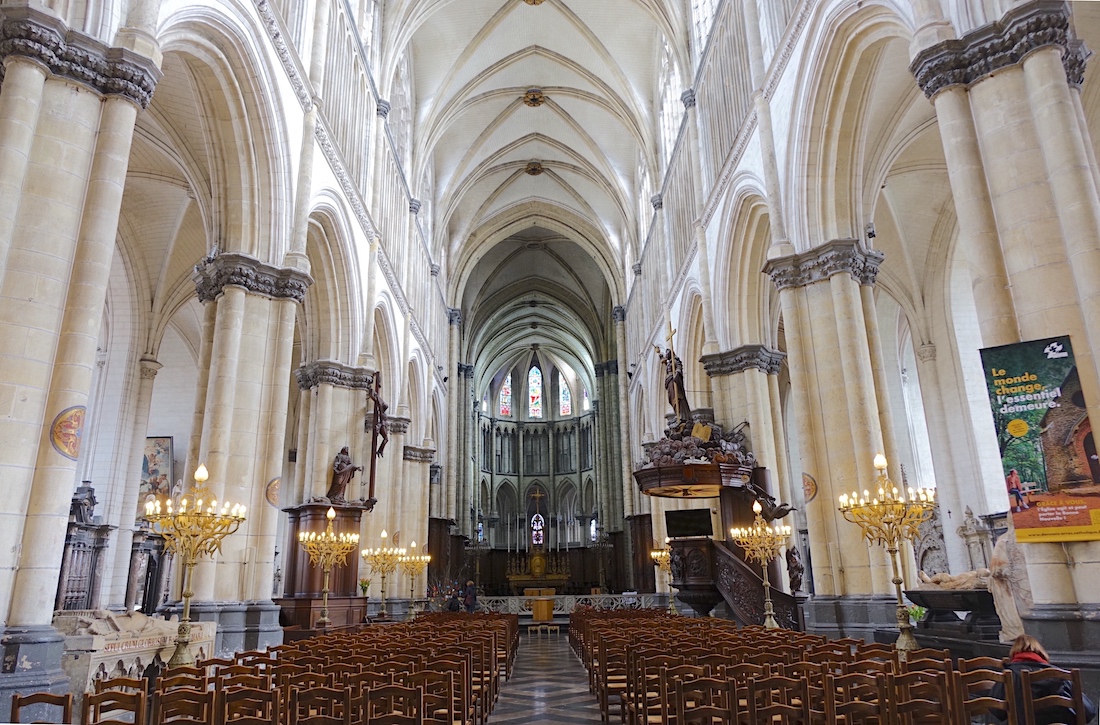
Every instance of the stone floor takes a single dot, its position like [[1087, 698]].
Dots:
[[548, 686]]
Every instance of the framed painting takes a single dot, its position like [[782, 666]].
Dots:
[[156, 470]]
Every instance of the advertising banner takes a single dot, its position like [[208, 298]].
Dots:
[[1051, 468]]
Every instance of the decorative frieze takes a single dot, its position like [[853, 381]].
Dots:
[[271, 24], [820, 263], [44, 39], [743, 358], [218, 270], [985, 50], [335, 373], [418, 455]]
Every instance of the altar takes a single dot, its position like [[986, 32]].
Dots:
[[538, 569]]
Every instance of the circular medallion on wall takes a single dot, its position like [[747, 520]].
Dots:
[[809, 487], [66, 430], [271, 492]]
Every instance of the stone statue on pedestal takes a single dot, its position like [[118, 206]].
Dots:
[[1009, 584], [342, 472]]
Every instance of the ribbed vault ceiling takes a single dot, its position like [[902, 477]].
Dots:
[[546, 103]]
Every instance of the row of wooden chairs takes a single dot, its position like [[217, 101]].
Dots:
[[362, 675]]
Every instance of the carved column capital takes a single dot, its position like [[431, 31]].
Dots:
[[618, 313], [744, 358], [657, 201], [149, 368], [454, 316], [217, 271], [417, 454], [382, 108], [415, 205], [397, 426], [926, 352], [820, 263], [688, 98], [1001, 44], [335, 373], [46, 40]]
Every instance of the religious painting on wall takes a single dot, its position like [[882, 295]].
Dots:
[[1048, 452], [156, 471]]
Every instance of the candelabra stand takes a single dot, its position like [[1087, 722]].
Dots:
[[327, 550], [602, 545], [762, 543], [414, 566], [889, 519], [662, 557], [192, 526], [383, 561]]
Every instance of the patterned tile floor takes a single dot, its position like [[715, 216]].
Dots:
[[548, 686]]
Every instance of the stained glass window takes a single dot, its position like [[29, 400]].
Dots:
[[506, 396], [585, 405], [537, 526], [534, 393], [565, 400], [592, 531]]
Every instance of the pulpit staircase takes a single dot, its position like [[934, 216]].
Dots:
[[742, 588]]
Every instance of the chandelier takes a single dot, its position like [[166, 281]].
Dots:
[[192, 526], [888, 519], [326, 550], [383, 561], [762, 543]]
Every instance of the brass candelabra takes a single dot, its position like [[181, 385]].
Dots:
[[193, 526], [383, 561], [662, 557], [414, 566], [326, 550], [888, 519], [763, 543]]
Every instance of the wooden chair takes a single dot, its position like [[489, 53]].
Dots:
[[779, 699], [668, 678], [303, 681], [186, 680], [181, 706], [320, 706], [856, 698], [122, 684], [973, 688], [923, 696], [981, 663], [1056, 703], [870, 667], [248, 706], [114, 708], [438, 690], [45, 699], [612, 676], [255, 682], [393, 705], [465, 710], [702, 701]]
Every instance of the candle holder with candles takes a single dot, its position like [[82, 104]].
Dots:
[[192, 526], [762, 543], [662, 557], [326, 550], [383, 561], [889, 518], [414, 566]]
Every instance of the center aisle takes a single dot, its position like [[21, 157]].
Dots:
[[548, 686]]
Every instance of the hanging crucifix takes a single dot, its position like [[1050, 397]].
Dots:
[[379, 420]]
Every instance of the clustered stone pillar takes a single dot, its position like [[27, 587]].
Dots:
[[1007, 98], [836, 405], [242, 441], [68, 105]]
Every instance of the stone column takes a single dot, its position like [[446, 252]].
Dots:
[[454, 319], [618, 315], [839, 431], [1021, 74], [67, 110], [243, 432], [120, 584]]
